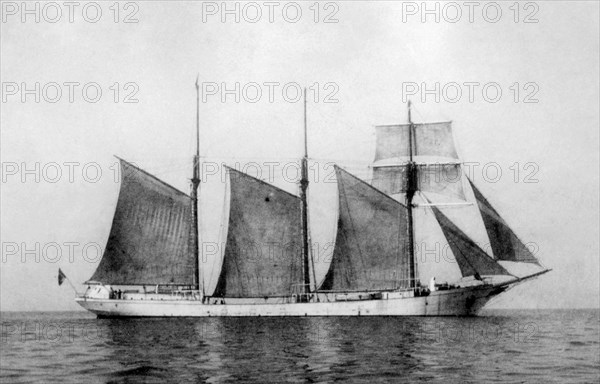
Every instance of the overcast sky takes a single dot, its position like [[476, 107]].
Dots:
[[365, 59]]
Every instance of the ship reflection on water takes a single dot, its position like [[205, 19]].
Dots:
[[269, 350]]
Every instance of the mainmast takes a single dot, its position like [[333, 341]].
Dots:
[[194, 193], [410, 193], [303, 197]]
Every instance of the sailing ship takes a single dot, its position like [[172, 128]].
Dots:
[[151, 263]]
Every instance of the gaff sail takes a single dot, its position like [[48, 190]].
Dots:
[[471, 259], [151, 238], [371, 248], [263, 248], [504, 242]]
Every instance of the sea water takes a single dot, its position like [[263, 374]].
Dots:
[[508, 346]]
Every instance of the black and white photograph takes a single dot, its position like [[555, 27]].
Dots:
[[300, 191]]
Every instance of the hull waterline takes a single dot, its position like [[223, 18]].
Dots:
[[457, 302]]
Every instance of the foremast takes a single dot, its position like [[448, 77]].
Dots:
[[194, 195]]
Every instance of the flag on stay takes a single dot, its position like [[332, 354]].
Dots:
[[61, 277]]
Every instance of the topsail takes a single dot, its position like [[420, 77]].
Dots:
[[431, 141], [444, 179]]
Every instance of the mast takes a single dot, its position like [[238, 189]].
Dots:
[[410, 193], [303, 197], [194, 193]]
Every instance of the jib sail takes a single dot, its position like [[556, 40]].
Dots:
[[504, 242], [471, 259]]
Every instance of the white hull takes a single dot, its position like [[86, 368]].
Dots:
[[456, 302]]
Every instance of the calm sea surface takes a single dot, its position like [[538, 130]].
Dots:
[[500, 346]]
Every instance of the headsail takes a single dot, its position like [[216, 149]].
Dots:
[[263, 249], [504, 242], [371, 250], [150, 241], [471, 259]]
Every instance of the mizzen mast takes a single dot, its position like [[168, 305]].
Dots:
[[194, 193]]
